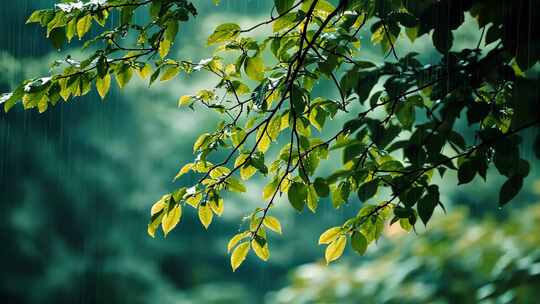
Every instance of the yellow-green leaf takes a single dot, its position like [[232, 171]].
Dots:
[[35, 16], [217, 206], [83, 25], [261, 251], [103, 85], [284, 22], [185, 169], [269, 190], [153, 226], [171, 219], [42, 104], [123, 76], [263, 139], [164, 48], [246, 171], [170, 72], [272, 223], [312, 198], [239, 255], [329, 235], [254, 68], [235, 185], [335, 249], [224, 32], [236, 239], [194, 200], [145, 71], [205, 215], [184, 100], [71, 29], [200, 141], [157, 207], [151, 230]]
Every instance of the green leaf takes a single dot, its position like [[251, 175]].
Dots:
[[312, 198], [368, 190], [239, 255], [254, 68], [427, 204], [321, 186], [297, 195], [510, 189], [171, 30], [359, 242], [405, 224], [282, 6], [412, 196], [406, 19], [57, 37], [406, 115], [298, 102], [344, 189], [317, 118], [335, 249], [123, 75], [443, 39], [284, 22], [224, 32], [466, 172], [102, 66], [36, 16], [235, 185], [366, 82]]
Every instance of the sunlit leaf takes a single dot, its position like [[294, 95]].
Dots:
[[329, 235], [261, 251], [205, 215], [236, 239], [224, 32], [239, 255], [103, 85], [171, 219], [272, 223], [335, 249]]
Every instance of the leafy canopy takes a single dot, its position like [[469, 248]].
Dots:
[[404, 134]]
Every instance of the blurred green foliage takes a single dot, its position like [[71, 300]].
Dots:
[[459, 260]]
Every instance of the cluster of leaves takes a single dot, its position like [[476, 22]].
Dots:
[[265, 94], [458, 261], [72, 78]]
